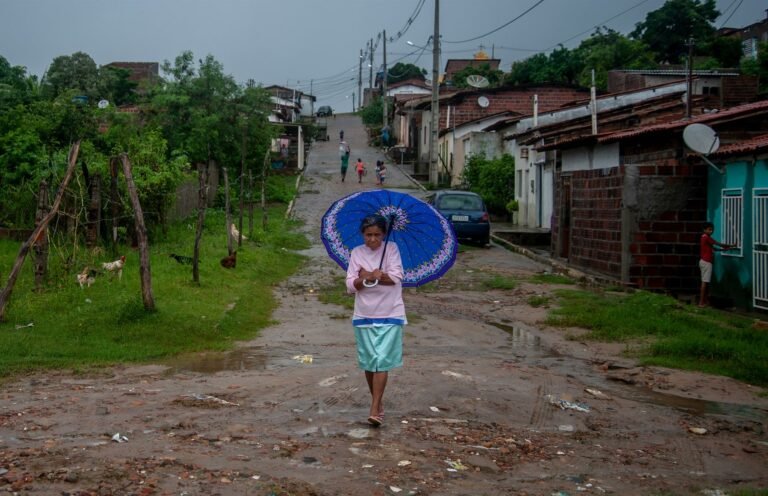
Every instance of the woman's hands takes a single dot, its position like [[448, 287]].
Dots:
[[368, 278]]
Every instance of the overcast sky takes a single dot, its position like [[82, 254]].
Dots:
[[303, 43]]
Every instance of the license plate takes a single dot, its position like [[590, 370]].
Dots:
[[460, 218]]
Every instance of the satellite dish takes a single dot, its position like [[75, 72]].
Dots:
[[103, 104], [477, 81], [701, 138], [483, 101]]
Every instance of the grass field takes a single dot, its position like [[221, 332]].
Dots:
[[64, 326], [670, 333]]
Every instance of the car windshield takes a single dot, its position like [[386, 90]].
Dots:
[[460, 202]]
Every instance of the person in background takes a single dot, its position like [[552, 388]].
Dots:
[[374, 276], [360, 167], [708, 245], [385, 136], [341, 135], [344, 157], [378, 172], [382, 173]]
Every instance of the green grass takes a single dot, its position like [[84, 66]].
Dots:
[[500, 282], [675, 335], [538, 301], [549, 278], [107, 324]]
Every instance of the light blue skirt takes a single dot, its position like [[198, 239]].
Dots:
[[379, 346]]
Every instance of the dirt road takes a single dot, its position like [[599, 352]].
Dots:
[[489, 401]]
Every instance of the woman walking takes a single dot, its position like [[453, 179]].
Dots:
[[374, 276]]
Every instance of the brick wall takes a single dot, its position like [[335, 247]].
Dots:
[[596, 220], [671, 208], [518, 100], [662, 201]]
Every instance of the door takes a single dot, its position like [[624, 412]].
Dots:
[[760, 248]]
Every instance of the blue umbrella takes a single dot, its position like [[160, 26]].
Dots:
[[424, 237]]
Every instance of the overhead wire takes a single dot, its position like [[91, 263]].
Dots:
[[602, 23], [731, 14], [500, 27]]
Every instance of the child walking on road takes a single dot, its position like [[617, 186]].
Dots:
[[360, 167]]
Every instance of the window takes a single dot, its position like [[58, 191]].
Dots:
[[732, 220]]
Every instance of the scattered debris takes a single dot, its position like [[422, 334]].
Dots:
[[207, 398], [565, 428], [456, 375], [22, 326], [119, 438], [597, 394], [434, 409], [566, 405], [403, 463], [697, 430], [394, 489], [303, 358], [455, 465]]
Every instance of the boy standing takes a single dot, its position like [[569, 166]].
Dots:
[[708, 246]]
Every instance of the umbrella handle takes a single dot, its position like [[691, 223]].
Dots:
[[370, 284]]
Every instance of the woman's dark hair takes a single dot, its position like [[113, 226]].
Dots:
[[707, 225], [374, 220]]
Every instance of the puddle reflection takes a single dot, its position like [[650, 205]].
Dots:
[[212, 362], [691, 405], [519, 338]]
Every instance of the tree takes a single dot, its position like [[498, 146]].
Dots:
[[494, 76], [562, 66], [606, 50], [758, 67], [15, 86], [401, 72], [493, 179], [668, 29], [72, 72]]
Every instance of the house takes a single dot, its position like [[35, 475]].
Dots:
[[412, 86], [534, 182], [456, 143], [737, 204], [751, 36], [629, 205], [452, 66], [459, 107], [288, 103], [729, 88]]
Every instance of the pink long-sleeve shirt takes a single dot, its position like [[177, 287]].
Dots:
[[381, 301]]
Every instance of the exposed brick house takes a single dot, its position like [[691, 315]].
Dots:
[[629, 205], [452, 66], [460, 107]]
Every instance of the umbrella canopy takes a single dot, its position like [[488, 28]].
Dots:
[[424, 237]]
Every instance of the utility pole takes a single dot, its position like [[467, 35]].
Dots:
[[434, 178], [370, 71], [353, 101], [311, 99], [689, 80], [360, 76], [384, 80]]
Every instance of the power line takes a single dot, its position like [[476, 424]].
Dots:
[[596, 25], [731, 14], [500, 27]]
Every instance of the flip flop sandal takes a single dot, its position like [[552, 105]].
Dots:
[[375, 420]]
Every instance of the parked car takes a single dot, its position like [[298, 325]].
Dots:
[[467, 213], [324, 111]]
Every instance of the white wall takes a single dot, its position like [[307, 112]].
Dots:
[[588, 158]]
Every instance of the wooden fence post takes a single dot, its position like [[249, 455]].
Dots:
[[41, 245], [5, 294], [141, 232]]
